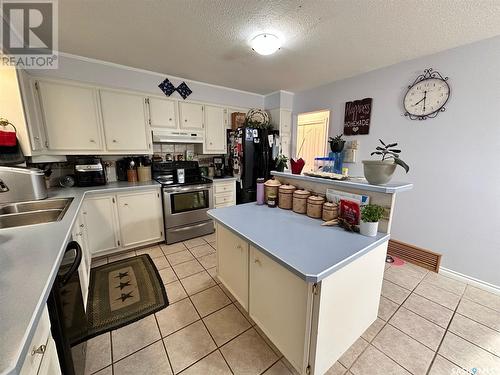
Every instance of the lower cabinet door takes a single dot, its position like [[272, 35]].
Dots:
[[281, 305], [232, 264], [140, 215], [50, 360], [99, 213]]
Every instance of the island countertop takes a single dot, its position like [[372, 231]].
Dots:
[[296, 241]]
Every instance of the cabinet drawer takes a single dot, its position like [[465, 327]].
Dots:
[[224, 187], [222, 199], [42, 333]]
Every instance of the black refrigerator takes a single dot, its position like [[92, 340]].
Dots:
[[253, 154]]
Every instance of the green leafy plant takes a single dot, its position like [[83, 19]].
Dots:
[[389, 152], [281, 161], [336, 143], [371, 213]]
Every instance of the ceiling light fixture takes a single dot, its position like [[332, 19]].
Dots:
[[266, 44]]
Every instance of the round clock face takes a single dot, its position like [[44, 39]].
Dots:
[[426, 97]]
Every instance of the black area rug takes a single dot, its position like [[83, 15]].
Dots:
[[121, 293]]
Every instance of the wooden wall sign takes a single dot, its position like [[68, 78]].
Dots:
[[357, 116]]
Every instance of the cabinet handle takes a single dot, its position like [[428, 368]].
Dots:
[[92, 141], [257, 261], [125, 204], [170, 119], [185, 120], [239, 247], [84, 212], [37, 138], [81, 225], [115, 141], [40, 350]]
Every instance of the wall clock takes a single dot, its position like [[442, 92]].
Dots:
[[426, 96]]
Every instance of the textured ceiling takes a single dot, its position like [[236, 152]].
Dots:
[[324, 40]]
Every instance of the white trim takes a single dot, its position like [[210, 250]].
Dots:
[[139, 70], [279, 91], [470, 280]]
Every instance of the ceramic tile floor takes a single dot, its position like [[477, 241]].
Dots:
[[428, 325]]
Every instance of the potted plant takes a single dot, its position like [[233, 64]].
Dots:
[[281, 161], [337, 143], [370, 216], [379, 172]]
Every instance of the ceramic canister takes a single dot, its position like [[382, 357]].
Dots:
[[271, 187], [286, 196], [300, 201], [315, 206]]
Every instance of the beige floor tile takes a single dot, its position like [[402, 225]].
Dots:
[[418, 328], [387, 266], [248, 354], [98, 353], [438, 295], [483, 297], [202, 250], [467, 355], [336, 369], [386, 308], [174, 248], [212, 364], [213, 272], [161, 262], [480, 313], [214, 245], [413, 268], [226, 324], [242, 311], [278, 368], [194, 242], [445, 283], [150, 360], [403, 277], [176, 316], [374, 362], [167, 275], [187, 268], [476, 333], [441, 366], [351, 354], [197, 282], [128, 254], [210, 300], [429, 310], [179, 257], [134, 336], [152, 251], [210, 237], [188, 345], [394, 292], [406, 351], [208, 261], [99, 262], [175, 291], [373, 330], [106, 371]]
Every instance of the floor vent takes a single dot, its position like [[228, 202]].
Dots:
[[416, 255]]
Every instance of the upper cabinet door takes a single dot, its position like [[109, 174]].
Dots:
[[124, 120], [191, 115], [215, 130], [70, 116], [162, 113]]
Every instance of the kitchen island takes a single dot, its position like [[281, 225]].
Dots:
[[313, 290]]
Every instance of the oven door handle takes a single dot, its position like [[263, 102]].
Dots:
[[184, 189], [188, 228]]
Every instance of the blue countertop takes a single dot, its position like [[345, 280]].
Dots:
[[296, 241], [355, 183], [29, 259]]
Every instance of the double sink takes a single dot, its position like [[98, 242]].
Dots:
[[33, 212]]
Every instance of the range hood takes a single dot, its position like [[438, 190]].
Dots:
[[177, 136]]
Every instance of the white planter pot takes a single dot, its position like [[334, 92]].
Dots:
[[368, 229]]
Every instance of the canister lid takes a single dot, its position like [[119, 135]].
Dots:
[[301, 193], [287, 188], [330, 205], [272, 182], [315, 199]]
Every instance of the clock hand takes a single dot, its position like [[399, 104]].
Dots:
[[419, 101], [425, 96]]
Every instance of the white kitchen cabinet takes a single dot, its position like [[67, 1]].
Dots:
[[50, 360], [215, 130], [224, 193], [280, 304], [70, 116], [125, 122], [191, 115], [141, 217], [79, 234], [232, 264], [101, 221], [162, 113]]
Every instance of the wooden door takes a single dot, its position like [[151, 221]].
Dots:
[[215, 130], [191, 115], [141, 218], [70, 116], [163, 113]]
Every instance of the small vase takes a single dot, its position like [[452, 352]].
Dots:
[[337, 146], [368, 229], [297, 165]]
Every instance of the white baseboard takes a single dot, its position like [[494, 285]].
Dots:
[[470, 280]]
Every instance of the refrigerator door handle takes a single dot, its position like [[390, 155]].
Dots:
[[73, 245]]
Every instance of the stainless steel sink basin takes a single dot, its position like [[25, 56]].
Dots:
[[34, 212]]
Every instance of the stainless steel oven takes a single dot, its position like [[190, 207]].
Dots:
[[185, 211]]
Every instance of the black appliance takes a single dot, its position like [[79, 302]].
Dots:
[[187, 196], [67, 313], [89, 171], [219, 166], [253, 154]]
